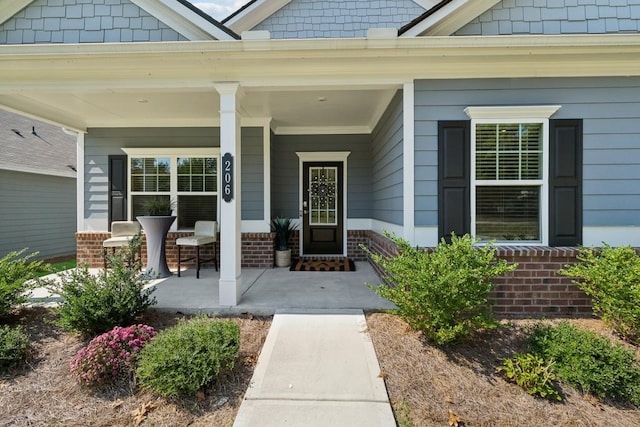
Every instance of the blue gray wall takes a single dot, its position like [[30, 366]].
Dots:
[[102, 142], [285, 176], [610, 108], [334, 18], [84, 21], [38, 212], [557, 17], [387, 170]]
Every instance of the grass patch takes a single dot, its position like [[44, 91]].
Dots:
[[57, 267]]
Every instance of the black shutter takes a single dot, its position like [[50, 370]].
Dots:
[[117, 188], [565, 182], [454, 145]]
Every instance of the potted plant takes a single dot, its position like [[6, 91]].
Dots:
[[158, 206], [284, 228]]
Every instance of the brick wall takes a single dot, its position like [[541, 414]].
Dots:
[[533, 289], [257, 249]]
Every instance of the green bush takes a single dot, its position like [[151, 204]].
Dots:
[[588, 361], [611, 277], [96, 303], [15, 272], [443, 293], [182, 359], [532, 374], [14, 346]]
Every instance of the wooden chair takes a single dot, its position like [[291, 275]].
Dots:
[[121, 234], [205, 233]]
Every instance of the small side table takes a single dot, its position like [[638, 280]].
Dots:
[[156, 229]]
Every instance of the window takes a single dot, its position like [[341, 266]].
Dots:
[[509, 173], [188, 178]]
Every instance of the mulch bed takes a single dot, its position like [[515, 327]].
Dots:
[[43, 392], [425, 382]]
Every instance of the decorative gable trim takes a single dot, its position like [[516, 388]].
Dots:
[[187, 19], [446, 18], [253, 13], [8, 8], [256, 11]]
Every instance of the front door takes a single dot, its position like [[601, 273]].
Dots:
[[322, 205]]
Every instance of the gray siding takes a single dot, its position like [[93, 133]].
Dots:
[[387, 170], [38, 212], [84, 21], [285, 172], [557, 17], [252, 174], [100, 143], [302, 19], [610, 108]]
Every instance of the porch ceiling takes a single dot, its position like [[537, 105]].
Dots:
[[319, 110]]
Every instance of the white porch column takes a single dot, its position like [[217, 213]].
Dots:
[[79, 177], [408, 163], [230, 212]]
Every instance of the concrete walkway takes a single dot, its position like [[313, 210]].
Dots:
[[317, 368]]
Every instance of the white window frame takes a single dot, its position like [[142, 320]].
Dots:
[[173, 154], [511, 115]]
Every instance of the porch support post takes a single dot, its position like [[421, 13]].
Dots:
[[230, 211], [408, 163], [79, 177]]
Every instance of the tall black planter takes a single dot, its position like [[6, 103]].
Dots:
[[156, 229]]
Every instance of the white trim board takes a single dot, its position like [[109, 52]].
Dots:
[[9, 8], [450, 18]]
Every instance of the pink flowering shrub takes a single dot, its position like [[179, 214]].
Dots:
[[111, 355]]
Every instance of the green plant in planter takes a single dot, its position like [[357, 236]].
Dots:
[[284, 228], [158, 206]]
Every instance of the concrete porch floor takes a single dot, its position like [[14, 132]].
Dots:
[[267, 290]]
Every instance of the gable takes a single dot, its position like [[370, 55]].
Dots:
[[556, 17], [337, 19], [82, 21], [254, 12]]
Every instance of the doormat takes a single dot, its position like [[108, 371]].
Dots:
[[316, 264]]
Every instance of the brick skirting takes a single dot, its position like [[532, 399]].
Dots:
[[257, 249], [534, 289]]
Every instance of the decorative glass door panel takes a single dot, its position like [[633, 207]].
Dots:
[[322, 208], [323, 195]]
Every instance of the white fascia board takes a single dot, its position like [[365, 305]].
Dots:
[[450, 18], [183, 20], [38, 171], [254, 14], [8, 8]]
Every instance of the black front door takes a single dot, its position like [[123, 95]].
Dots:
[[322, 204]]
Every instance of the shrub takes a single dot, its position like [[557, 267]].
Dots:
[[15, 272], [182, 359], [14, 346], [588, 361], [95, 303], [111, 355], [443, 293], [532, 374], [611, 277]]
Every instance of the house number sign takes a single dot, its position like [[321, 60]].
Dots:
[[227, 177]]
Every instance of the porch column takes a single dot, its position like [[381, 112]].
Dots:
[[79, 176], [408, 163], [230, 211]]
